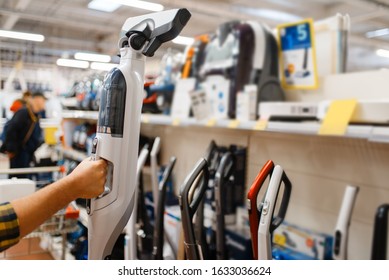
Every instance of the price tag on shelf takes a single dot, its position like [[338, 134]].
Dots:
[[211, 122], [261, 124], [233, 124], [338, 117], [145, 119], [176, 122]]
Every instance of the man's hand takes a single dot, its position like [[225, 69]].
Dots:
[[88, 178]]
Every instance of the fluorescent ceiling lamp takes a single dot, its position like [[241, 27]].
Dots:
[[268, 13], [22, 36], [102, 66], [103, 5], [383, 53], [112, 5], [72, 63], [141, 5], [92, 57], [181, 40], [377, 33]]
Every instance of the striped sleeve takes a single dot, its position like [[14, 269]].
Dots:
[[9, 226]]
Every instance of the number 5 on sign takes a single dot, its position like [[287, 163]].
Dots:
[[298, 55]]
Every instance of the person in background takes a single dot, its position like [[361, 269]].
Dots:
[[21, 216], [24, 134], [21, 102]]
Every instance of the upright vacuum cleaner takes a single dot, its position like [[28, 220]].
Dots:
[[119, 124], [223, 174], [159, 235], [343, 223], [191, 193], [262, 219], [380, 234], [130, 248]]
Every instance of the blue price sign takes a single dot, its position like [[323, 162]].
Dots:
[[298, 55], [296, 37]]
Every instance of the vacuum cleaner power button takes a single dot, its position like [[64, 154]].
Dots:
[[94, 145]]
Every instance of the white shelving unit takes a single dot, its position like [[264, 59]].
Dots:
[[370, 132], [318, 166], [78, 114]]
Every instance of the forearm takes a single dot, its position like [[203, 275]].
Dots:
[[35, 209]]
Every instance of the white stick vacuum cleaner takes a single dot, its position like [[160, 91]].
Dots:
[[154, 170], [343, 224], [268, 223], [130, 239], [117, 136]]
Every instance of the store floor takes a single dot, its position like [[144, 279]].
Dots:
[[26, 249]]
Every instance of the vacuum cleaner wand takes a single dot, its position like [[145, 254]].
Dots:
[[189, 207], [223, 173], [154, 169], [343, 224], [268, 223], [252, 196], [159, 217], [130, 248], [380, 234], [117, 137]]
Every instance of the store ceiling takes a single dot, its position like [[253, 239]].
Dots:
[[70, 26]]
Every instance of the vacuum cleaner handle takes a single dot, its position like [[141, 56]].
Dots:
[[252, 195], [211, 156], [268, 223], [223, 172], [188, 208], [380, 233], [154, 169], [284, 203], [343, 223], [155, 29], [159, 218]]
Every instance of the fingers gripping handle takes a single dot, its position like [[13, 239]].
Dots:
[[95, 155]]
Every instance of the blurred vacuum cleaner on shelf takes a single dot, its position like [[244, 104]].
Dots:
[[240, 54]]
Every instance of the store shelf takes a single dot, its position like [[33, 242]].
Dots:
[[71, 153], [370, 132], [78, 114]]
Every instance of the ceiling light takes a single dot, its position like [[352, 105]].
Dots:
[[72, 63], [382, 52], [377, 33], [22, 36], [112, 5], [181, 40], [92, 57], [102, 66], [268, 13], [141, 5], [103, 5]]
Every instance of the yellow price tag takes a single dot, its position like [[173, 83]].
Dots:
[[338, 117], [176, 122], [279, 239], [233, 124], [211, 122], [145, 119], [261, 124]]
